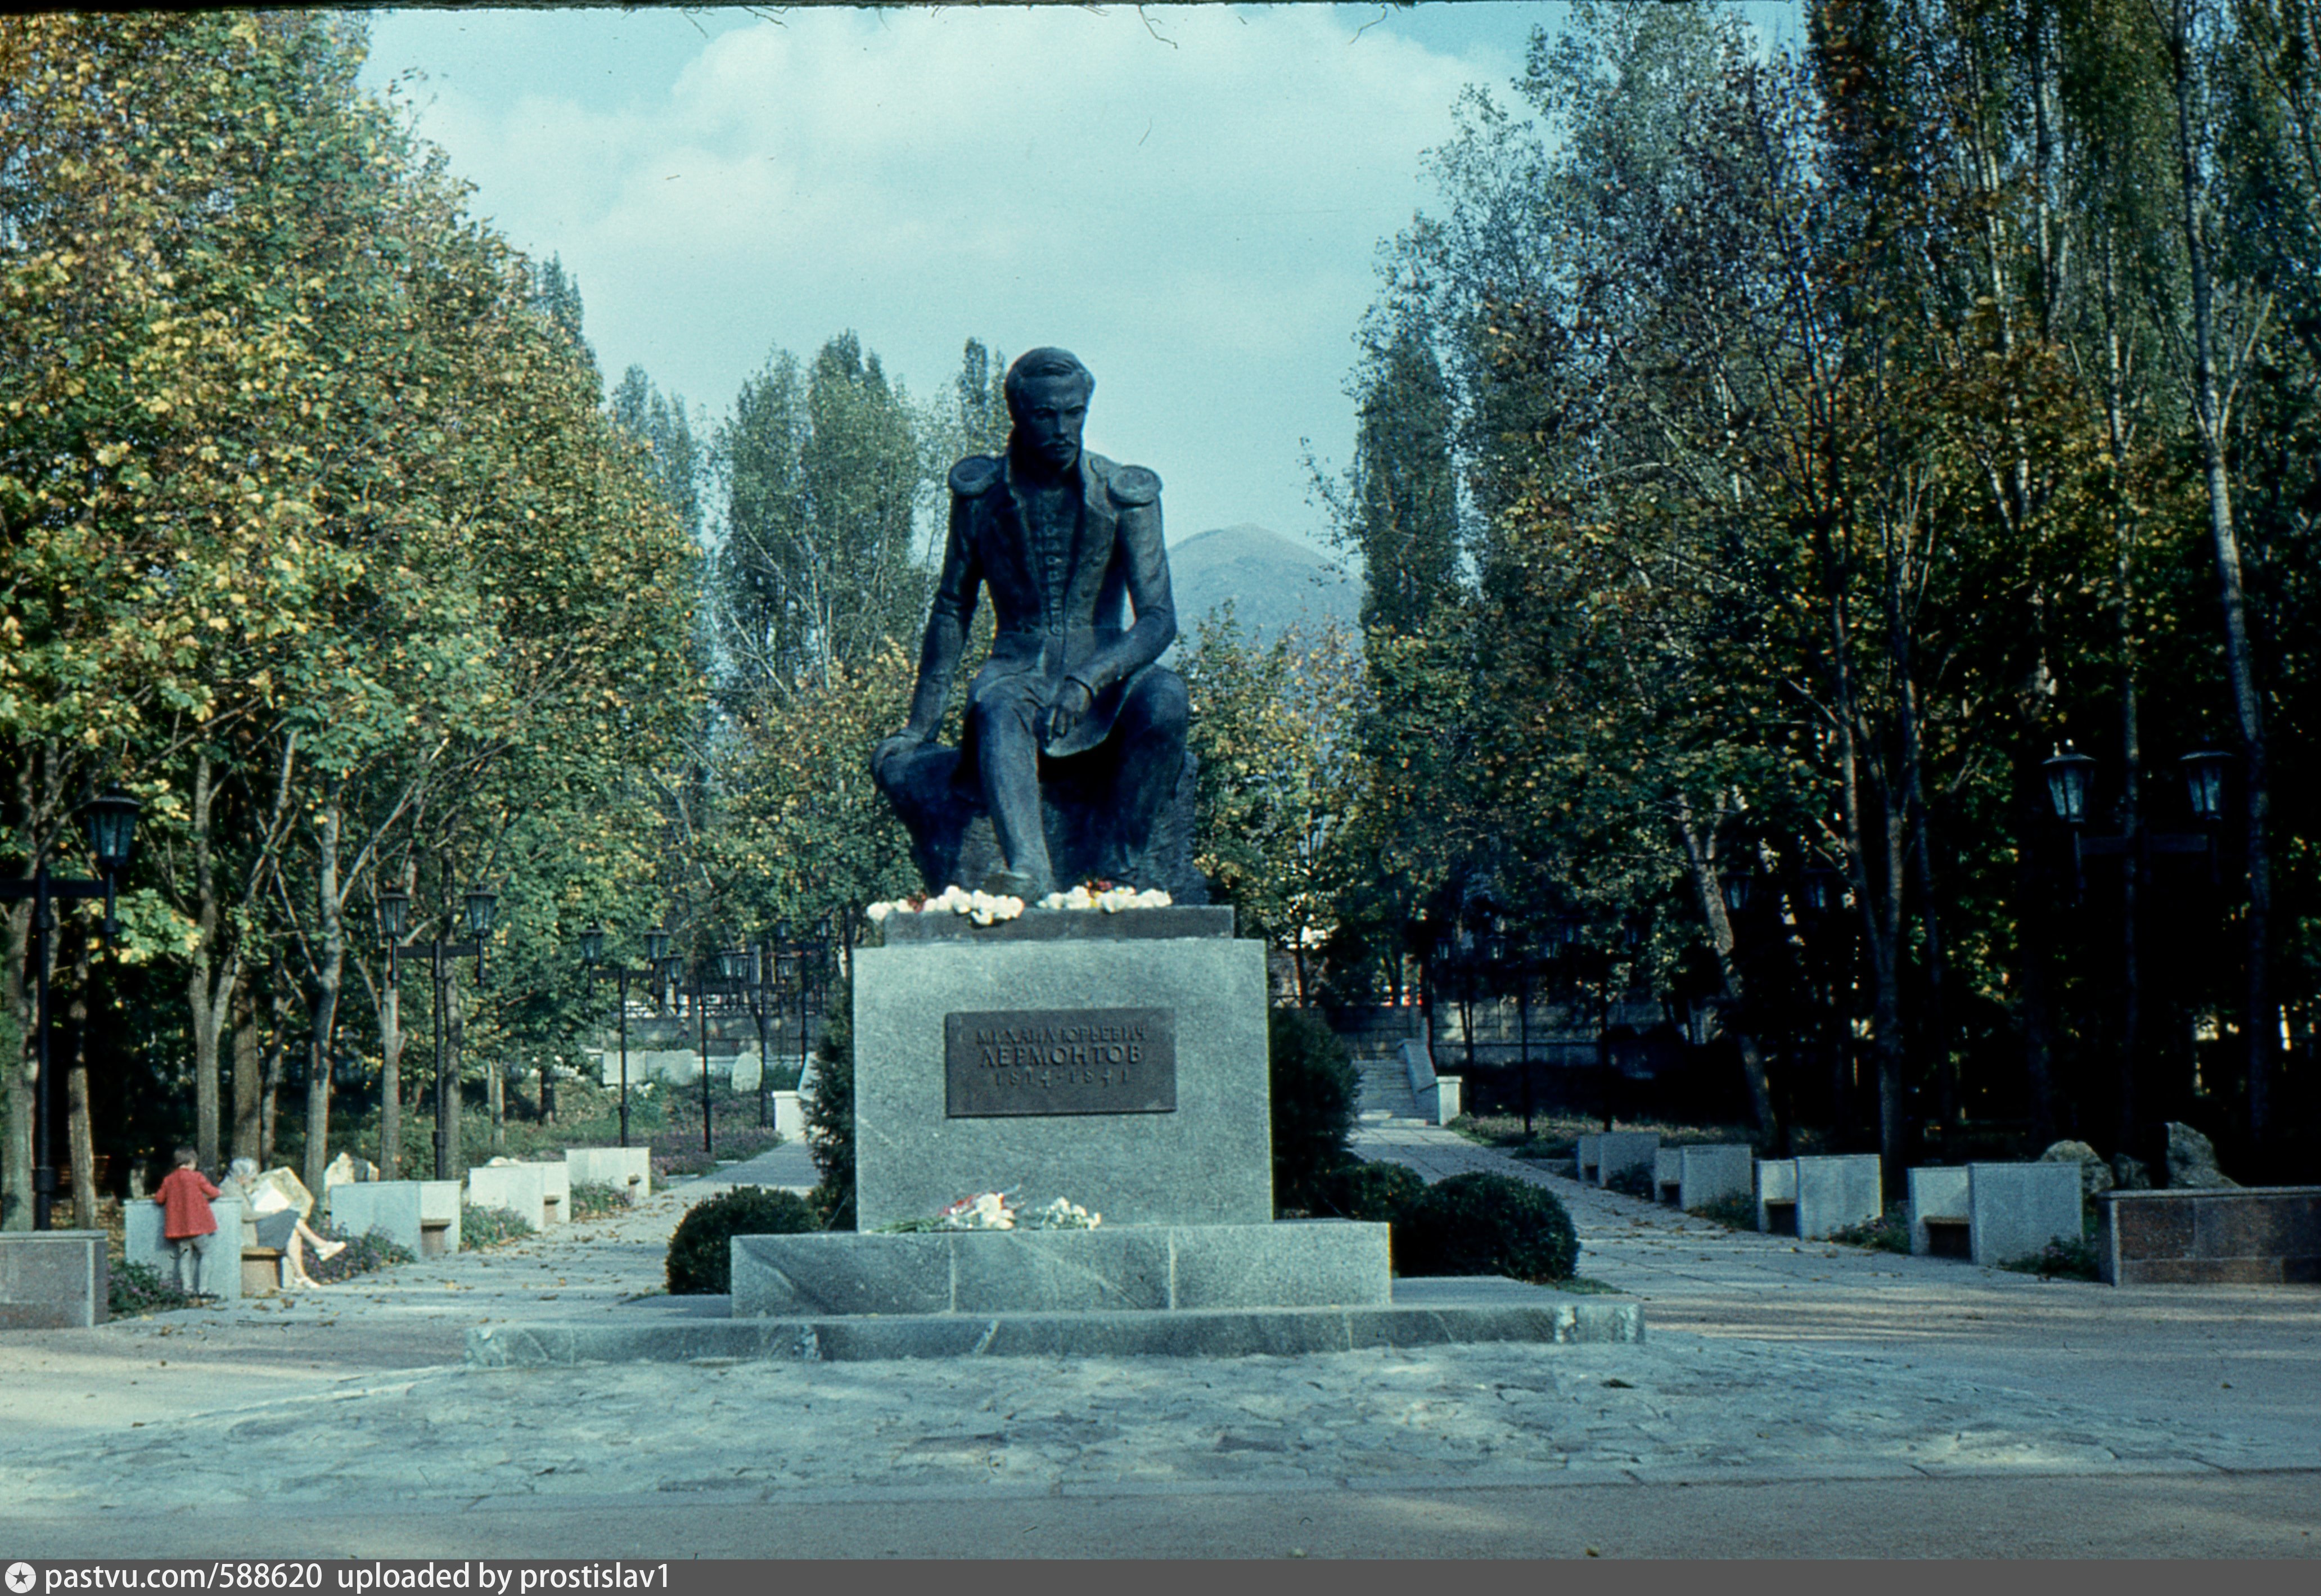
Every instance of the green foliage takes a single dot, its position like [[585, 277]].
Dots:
[[481, 1228], [1314, 1090], [372, 1250], [1480, 1223], [1735, 1211], [1635, 1181], [1888, 1233], [2061, 1259], [1376, 1192], [1276, 792], [830, 1115], [133, 1288], [701, 1252]]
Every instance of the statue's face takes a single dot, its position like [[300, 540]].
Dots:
[[1050, 418]]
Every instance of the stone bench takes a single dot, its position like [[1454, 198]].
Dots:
[[1940, 1222], [1993, 1213], [627, 1170], [421, 1217], [54, 1280], [1776, 1190], [2237, 1236], [522, 1189], [1584, 1156], [1836, 1192], [1619, 1151], [1438, 1097], [143, 1243], [1705, 1175]]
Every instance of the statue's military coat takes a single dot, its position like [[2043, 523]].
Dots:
[[1060, 612]]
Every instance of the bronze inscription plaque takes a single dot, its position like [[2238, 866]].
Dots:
[[1059, 1060]]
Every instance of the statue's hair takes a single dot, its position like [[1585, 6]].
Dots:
[[1045, 362]]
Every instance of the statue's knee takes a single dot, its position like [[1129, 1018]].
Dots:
[[1166, 707], [1005, 712]]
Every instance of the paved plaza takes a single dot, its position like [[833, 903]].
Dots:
[[1791, 1398]]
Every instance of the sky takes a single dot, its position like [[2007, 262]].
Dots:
[[1191, 198]]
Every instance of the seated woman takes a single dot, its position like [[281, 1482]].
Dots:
[[277, 1204]]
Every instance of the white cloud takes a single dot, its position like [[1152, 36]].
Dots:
[[1195, 214]]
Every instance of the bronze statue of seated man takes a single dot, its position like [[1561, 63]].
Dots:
[[1075, 737]]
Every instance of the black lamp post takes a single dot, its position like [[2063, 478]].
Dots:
[[112, 822], [478, 909], [2069, 775], [592, 959]]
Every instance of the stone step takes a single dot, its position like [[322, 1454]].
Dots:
[[1423, 1313]]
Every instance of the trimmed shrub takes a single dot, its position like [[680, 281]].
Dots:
[[830, 1112], [1480, 1223], [1379, 1193], [490, 1227], [701, 1253], [1314, 1093]]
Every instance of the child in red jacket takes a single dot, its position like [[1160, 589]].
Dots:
[[187, 1223]]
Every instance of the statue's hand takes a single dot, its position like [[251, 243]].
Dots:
[[1065, 710], [901, 745]]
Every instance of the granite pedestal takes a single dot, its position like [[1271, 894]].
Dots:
[[1117, 1061], [2214, 1236], [1206, 1159]]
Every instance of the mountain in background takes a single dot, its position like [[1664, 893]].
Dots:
[[1274, 581]]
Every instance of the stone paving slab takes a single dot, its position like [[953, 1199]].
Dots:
[[1770, 1361]]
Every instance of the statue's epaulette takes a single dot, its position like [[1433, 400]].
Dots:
[[1133, 485], [974, 474]]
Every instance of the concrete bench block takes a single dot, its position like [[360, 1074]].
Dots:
[[143, 1243], [1438, 1097], [2244, 1236], [1584, 1158], [520, 1188], [1617, 1151], [1938, 1197], [2014, 1209], [1777, 1196], [627, 1170], [439, 1217], [1836, 1192], [391, 1208], [789, 1115], [1132, 1269], [1712, 1173], [1668, 1173], [53, 1279], [556, 1192]]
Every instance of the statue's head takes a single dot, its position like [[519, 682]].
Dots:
[[1048, 392]]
